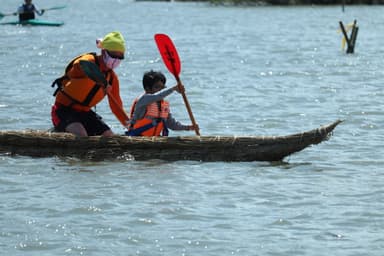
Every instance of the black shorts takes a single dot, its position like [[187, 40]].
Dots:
[[63, 116]]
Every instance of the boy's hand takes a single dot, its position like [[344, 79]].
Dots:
[[193, 128], [179, 88]]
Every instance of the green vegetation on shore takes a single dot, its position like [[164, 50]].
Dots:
[[298, 2]]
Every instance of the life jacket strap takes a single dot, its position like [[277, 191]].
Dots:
[[165, 131], [59, 81], [140, 130]]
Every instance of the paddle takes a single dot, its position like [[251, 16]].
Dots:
[[55, 8], [2, 15], [172, 61], [94, 73]]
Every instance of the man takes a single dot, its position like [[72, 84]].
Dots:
[[77, 94], [27, 11]]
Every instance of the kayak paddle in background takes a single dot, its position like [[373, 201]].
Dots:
[[171, 60], [2, 15], [94, 73], [54, 8]]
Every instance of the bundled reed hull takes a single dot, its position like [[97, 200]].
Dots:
[[201, 148]]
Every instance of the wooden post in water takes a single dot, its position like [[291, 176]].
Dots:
[[355, 29], [351, 42]]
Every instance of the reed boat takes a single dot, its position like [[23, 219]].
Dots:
[[37, 143]]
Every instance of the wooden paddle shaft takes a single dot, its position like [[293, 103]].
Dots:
[[189, 109]]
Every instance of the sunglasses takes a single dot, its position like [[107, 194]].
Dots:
[[120, 57]]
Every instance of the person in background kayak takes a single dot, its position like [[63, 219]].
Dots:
[[150, 114], [77, 94], [27, 11]]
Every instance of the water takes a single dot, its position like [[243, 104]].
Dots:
[[247, 71]]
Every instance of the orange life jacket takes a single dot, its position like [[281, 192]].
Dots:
[[153, 122], [79, 93]]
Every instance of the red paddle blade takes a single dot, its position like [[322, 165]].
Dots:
[[169, 53]]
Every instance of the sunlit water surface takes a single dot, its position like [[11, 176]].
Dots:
[[247, 71]]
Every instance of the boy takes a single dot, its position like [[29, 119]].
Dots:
[[150, 115]]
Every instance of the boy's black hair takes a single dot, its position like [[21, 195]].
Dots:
[[152, 77]]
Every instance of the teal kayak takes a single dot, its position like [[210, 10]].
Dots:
[[34, 22]]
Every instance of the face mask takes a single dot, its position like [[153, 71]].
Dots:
[[110, 62]]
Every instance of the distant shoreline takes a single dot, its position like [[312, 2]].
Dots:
[[279, 2], [302, 2]]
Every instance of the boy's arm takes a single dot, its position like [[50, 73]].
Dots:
[[175, 125], [147, 99]]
